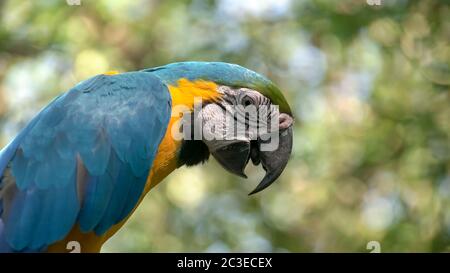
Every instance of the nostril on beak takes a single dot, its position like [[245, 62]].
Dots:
[[285, 121]]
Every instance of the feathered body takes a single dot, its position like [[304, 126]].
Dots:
[[78, 170]]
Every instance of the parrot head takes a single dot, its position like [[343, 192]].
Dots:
[[238, 115]]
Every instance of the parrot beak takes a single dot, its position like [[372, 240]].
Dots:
[[235, 156], [275, 161]]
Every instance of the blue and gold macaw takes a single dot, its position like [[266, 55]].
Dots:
[[78, 170]]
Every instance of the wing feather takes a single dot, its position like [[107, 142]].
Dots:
[[111, 126]]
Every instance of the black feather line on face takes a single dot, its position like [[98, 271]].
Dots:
[[193, 152]]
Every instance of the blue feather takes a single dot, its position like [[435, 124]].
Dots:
[[97, 195], [218, 72], [114, 125]]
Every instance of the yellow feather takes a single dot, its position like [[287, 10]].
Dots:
[[112, 72]]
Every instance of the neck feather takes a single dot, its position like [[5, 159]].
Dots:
[[174, 153]]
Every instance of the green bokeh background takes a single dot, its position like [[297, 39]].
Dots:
[[369, 86]]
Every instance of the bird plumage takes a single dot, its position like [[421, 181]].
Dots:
[[82, 165], [110, 126], [223, 74]]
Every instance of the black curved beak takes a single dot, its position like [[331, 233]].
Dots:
[[275, 161], [235, 156]]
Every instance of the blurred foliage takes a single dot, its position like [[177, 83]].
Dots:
[[370, 90]]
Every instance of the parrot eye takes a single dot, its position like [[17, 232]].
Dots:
[[246, 101]]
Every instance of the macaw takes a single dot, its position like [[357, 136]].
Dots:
[[82, 165]]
